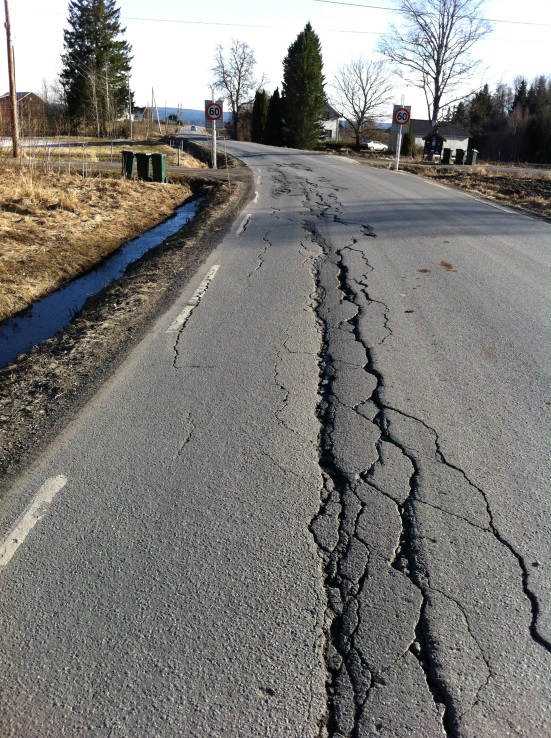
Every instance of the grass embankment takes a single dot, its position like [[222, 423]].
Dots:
[[55, 225]]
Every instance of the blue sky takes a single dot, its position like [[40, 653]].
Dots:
[[173, 41]]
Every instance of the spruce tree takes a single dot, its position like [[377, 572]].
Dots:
[[273, 131], [408, 143], [95, 65], [304, 101], [260, 112]]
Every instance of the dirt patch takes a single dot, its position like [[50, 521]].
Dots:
[[44, 389]]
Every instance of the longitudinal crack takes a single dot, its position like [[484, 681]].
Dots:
[[351, 679], [261, 255]]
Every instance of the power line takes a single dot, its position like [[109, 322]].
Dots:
[[324, 30], [394, 10], [175, 20], [358, 5]]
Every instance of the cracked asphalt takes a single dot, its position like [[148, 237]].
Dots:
[[319, 507]]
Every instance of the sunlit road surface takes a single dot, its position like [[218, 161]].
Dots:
[[313, 501]]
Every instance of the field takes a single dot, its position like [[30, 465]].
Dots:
[[56, 224]]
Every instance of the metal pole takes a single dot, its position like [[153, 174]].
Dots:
[[214, 144], [398, 149], [13, 89]]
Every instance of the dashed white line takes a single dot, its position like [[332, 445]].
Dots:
[[244, 223], [35, 512], [181, 320]]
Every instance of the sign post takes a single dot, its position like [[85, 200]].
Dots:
[[401, 116], [213, 113]]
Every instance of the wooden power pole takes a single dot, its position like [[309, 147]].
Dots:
[[13, 89]]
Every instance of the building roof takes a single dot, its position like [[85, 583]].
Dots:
[[20, 95], [331, 113], [422, 128]]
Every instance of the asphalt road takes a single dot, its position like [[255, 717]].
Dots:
[[314, 500]]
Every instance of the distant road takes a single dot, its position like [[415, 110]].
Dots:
[[328, 458]]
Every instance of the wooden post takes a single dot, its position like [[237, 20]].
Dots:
[[130, 108], [13, 89]]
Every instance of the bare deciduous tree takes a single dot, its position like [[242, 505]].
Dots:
[[234, 76], [432, 48], [360, 91]]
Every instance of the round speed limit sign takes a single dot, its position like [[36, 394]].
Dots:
[[213, 111], [401, 116]]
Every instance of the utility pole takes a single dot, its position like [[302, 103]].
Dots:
[[130, 108], [13, 89], [107, 99]]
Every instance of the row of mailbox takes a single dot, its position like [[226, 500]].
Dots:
[[149, 167], [461, 156], [444, 156]]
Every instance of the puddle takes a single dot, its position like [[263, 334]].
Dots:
[[45, 317]]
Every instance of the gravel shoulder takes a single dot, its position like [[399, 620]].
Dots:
[[46, 388]]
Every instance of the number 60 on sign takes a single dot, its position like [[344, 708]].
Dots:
[[401, 116], [213, 111]]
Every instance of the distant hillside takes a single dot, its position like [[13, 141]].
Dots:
[[188, 116]]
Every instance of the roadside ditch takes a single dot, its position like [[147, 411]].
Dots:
[[45, 388]]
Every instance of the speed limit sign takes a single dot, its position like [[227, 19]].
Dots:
[[213, 111], [401, 116]]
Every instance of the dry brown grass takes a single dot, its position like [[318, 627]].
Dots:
[[522, 189], [50, 155], [54, 226]]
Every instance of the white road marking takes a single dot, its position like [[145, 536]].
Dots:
[[244, 224], [181, 320], [256, 194], [35, 512]]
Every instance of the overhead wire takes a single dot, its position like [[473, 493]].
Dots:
[[326, 30], [394, 10]]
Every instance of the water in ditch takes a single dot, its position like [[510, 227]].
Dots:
[[45, 317]]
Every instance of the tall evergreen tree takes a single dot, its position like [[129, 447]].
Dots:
[[521, 94], [408, 143], [273, 130], [95, 65], [260, 113], [304, 100]]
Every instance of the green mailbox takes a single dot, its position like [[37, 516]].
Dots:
[[144, 166], [158, 162], [128, 164], [446, 156]]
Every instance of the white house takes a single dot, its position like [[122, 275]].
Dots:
[[331, 124], [455, 136]]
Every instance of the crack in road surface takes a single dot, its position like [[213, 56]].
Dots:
[[381, 632], [261, 255], [355, 671], [180, 323]]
